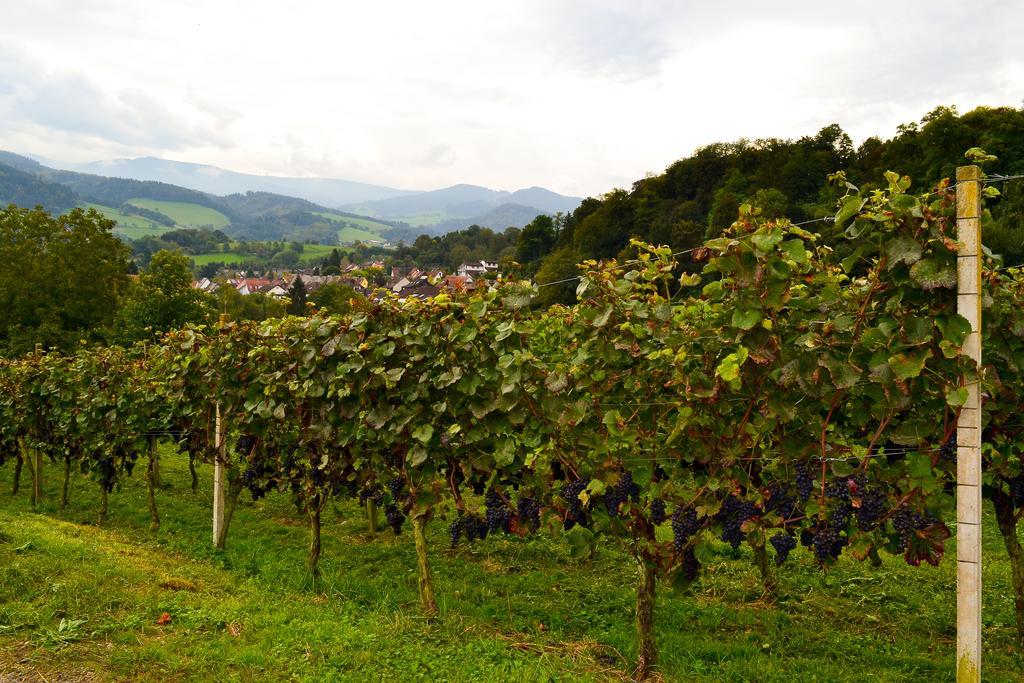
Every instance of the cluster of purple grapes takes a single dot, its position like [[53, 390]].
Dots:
[[659, 513], [872, 507], [245, 445], [625, 490], [691, 565], [498, 514], [908, 522], [316, 473], [684, 525], [528, 512], [371, 492], [256, 478], [839, 491], [948, 450], [734, 512], [469, 525], [394, 517], [575, 514], [107, 473], [393, 510], [827, 542], [779, 500], [804, 482], [783, 544]]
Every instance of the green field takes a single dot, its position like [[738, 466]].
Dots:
[[310, 252], [128, 225], [228, 257], [512, 609], [426, 218], [185, 214], [366, 230]]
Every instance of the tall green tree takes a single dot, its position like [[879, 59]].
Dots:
[[255, 306], [297, 298], [162, 299], [61, 280], [335, 298], [536, 239]]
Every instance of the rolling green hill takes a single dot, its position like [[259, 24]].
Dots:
[[356, 229], [132, 227], [185, 214]]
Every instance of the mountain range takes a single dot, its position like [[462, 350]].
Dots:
[[435, 211], [148, 196]]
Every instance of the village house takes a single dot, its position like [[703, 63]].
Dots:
[[477, 268]]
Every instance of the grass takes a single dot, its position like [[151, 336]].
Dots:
[[310, 253], [82, 602], [425, 218], [365, 223], [414, 219], [350, 235], [128, 225], [356, 229], [185, 214]]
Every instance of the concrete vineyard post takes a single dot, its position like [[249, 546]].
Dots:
[[219, 468], [968, 432]]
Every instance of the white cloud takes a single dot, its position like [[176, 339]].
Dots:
[[576, 95]]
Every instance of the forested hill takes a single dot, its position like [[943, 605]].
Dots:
[[147, 208], [700, 195]]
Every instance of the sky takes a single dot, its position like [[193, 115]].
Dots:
[[579, 96]]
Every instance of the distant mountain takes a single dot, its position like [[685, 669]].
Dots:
[[550, 202], [29, 190], [267, 207], [461, 205], [22, 163], [498, 218], [218, 181], [148, 207]]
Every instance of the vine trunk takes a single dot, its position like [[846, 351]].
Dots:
[[426, 579], [1007, 519], [646, 651]]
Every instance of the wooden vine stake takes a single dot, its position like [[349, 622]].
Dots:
[[219, 469], [36, 462], [968, 432]]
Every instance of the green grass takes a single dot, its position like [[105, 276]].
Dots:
[[310, 253], [350, 235], [425, 218], [185, 214], [317, 252], [415, 219], [128, 225], [356, 229], [227, 257], [511, 609]]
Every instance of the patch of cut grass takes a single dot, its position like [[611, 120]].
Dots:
[[185, 214], [129, 225], [511, 608]]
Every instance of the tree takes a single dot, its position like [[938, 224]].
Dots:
[[256, 306], [536, 239], [163, 299], [61, 280], [297, 298], [560, 265], [335, 298]]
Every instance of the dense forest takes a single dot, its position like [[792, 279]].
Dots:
[[699, 196]]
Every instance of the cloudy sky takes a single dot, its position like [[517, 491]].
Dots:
[[579, 95]]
